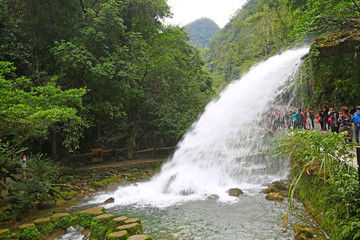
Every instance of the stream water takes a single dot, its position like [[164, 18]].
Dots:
[[226, 147]]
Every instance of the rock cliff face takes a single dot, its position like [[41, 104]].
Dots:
[[340, 42]]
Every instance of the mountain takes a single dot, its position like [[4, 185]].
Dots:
[[201, 32]]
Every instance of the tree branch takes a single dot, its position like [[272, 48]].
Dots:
[[93, 4], [356, 5], [84, 12]]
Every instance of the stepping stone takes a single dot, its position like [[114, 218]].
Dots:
[[132, 228], [120, 235], [140, 237], [132, 220]]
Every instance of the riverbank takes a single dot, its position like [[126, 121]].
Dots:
[[324, 180], [73, 185]]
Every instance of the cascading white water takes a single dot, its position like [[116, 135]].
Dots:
[[226, 147]]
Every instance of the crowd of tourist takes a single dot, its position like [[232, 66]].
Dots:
[[328, 118]]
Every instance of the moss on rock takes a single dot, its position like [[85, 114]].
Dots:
[[103, 183], [61, 221], [120, 220], [44, 225], [274, 197], [303, 233], [132, 228], [132, 220], [100, 225], [5, 234], [85, 217], [119, 235], [28, 232], [278, 187]]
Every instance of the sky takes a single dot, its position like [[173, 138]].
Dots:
[[187, 11]]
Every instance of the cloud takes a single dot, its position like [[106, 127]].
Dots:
[[186, 11]]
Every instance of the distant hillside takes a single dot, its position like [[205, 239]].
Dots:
[[201, 32], [259, 29]]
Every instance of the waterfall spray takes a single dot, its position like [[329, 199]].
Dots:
[[226, 146]]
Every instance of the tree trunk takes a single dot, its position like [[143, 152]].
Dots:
[[54, 144], [132, 134]]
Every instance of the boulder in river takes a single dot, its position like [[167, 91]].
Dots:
[[110, 200], [303, 233], [274, 196], [213, 197], [234, 192]]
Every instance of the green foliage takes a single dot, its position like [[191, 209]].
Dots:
[[62, 223], [103, 183], [313, 19], [334, 186], [29, 233], [27, 110], [326, 82], [201, 31], [39, 174], [98, 230], [260, 29]]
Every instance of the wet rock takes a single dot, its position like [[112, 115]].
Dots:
[[277, 186], [140, 237], [274, 197], [120, 220], [110, 200], [234, 192], [213, 197], [338, 42], [132, 220], [303, 233], [132, 228], [119, 235]]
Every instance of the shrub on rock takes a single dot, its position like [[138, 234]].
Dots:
[[100, 225], [28, 232], [44, 226], [85, 217]]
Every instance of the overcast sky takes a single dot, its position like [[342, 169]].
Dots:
[[186, 11]]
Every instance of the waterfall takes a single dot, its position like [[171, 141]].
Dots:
[[226, 147]]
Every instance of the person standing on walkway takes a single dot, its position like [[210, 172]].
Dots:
[[299, 119], [356, 118], [345, 122], [309, 124], [353, 110], [334, 120], [325, 118]]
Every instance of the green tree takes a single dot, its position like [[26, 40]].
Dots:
[[319, 17], [201, 31], [29, 111]]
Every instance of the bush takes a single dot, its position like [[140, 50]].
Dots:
[[331, 184], [38, 176]]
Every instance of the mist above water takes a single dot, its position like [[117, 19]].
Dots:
[[226, 147]]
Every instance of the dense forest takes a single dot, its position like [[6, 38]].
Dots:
[[263, 28], [201, 31], [77, 75], [130, 81]]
